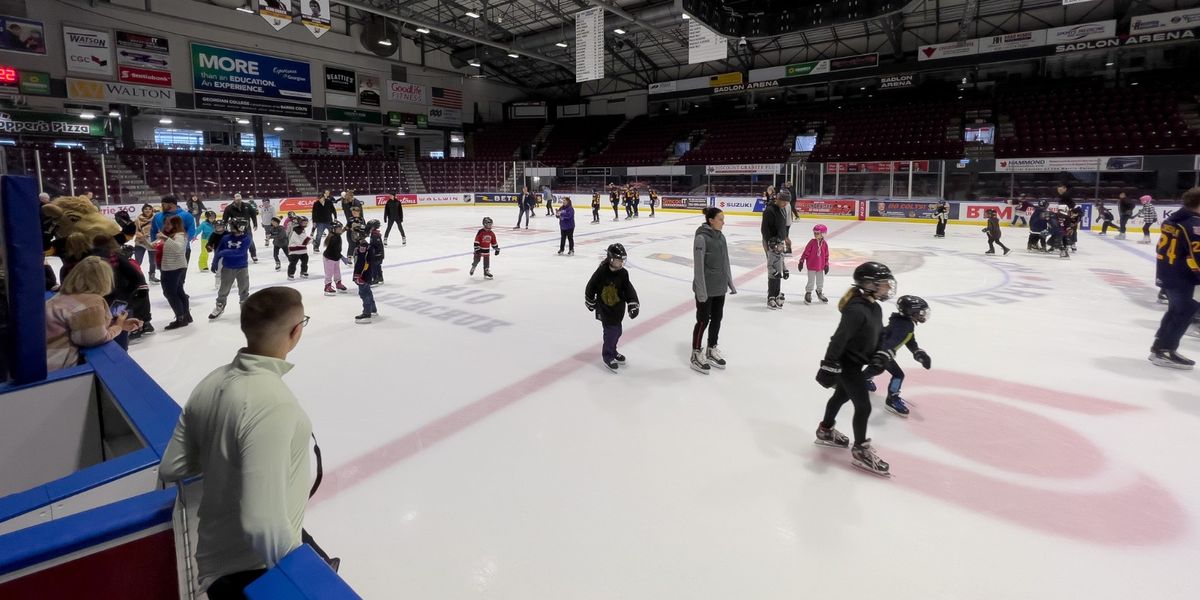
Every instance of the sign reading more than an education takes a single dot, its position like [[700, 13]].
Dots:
[[277, 14], [589, 45], [314, 15], [88, 51], [705, 44], [228, 71]]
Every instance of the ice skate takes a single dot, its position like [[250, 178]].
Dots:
[[1006, 251], [1171, 360], [808, 297], [385, 240], [1145, 240], [341, 288], [780, 299], [612, 365], [329, 290], [895, 405], [821, 297], [828, 436], [363, 319], [560, 252], [488, 275], [570, 253], [216, 312], [1162, 297], [772, 303], [864, 457], [620, 358], [1120, 236], [153, 278], [472, 273], [990, 252], [698, 363], [714, 357], [871, 385], [303, 275], [403, 241], [278, 266]]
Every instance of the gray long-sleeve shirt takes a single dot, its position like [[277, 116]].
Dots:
[[710, 254]]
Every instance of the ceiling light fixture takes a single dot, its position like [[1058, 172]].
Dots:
[[686, 16], [473, 63], [338, 130], [472, 14], [243, 121], [245, 9], [619, 31], [345, 133], [277, 128], [165, 121], [1108, 64], [561, 44], [115, 114], [514, 55], [422, 30], [87, 116], [384, 42], [400, 133]]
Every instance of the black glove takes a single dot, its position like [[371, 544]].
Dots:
[[213, 268], [786, 274], [800, 266], [922, 357], [826, 269], [634, 309], [497, 250], [590, 303], [828, 373], [878, 364]]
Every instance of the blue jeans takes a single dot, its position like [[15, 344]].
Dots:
[[1180, 308], [319, 232], [612, 333], [368, 298], [140, 252]]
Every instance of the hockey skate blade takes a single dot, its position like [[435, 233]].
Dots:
[[701, 371], [895, 412], [861, 467], [831, 444]]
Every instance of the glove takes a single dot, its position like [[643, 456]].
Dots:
[[358, 280], [497, 250], [922, 357], [634, 309], [878, 364], [732, 290], [346, 260], [800, 266], [826, 269], [786, 274], [590, 303], [827, 374]]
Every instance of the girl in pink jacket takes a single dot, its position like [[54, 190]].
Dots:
[[816, 258]]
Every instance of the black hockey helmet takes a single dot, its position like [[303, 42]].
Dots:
[[487, 221], [869, 276], [239, 225], [219, 223], [914, 307], [617, 251], [337, 225], [372, 224]]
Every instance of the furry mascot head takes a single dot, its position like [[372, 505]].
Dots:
[[71, 223]]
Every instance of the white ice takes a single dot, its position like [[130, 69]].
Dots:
[[1045, 456]]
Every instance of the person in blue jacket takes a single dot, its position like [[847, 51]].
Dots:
[[901, 331], [170, 207], [232, 257]]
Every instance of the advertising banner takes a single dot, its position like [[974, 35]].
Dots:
[[896, 82], [705, 44], [36, 123], [344, 100], [400, 119], [353, 115], [443, 199], [445, 116], [589, 44], [1169, 21], [261, 106], [1080, 33], [497, 198], [368, 90], [340, 80], [314, 15], [224, 70], [977, 211], [687, 202], [899, 166], [742, 204], [841, 208], [859, 61], [143, 59], [382, 199], [1069, 163], [34, 83], [88, 51], [747, 169], [400, 91], [277, 14], [1012, 41], [908, 209], [948, 50], [123, 93], [22, 35], [665, 87]]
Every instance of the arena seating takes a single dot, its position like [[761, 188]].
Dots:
[[56, 175], [459, 175], [758, 138], [920, 125], [501, 141], [362, 174], [209, 172], [1084, 118], [571, 137], [643, 141]]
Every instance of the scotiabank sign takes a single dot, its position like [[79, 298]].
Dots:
[[144, 76]]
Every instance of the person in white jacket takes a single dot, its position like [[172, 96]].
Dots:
[[245, 433]]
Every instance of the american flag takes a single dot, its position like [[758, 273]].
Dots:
[[447, 98]]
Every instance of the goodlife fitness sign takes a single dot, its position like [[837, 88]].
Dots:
[[411, 93]]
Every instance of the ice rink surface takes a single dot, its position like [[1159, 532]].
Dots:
[[476, 447]]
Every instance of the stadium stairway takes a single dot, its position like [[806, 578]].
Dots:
[[296, 178]]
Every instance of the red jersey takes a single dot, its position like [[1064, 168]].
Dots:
[[485, 240]]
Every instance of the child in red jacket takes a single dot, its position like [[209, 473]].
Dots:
[[485, 241], [816, 258]]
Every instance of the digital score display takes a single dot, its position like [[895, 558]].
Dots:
[[10, 80]]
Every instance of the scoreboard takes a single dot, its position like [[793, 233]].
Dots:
[[15, 81]]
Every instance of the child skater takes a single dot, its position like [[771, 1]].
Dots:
[[851, 349], [362, 278], [816, 258], [206, 231], [298, 242], [609, 294], [653, 200], [595, 207], [279, 237], [485, 241], [214, 241], [1106, 218], [375, 251], [233, 255], [333, 260], [1038, 228], [993, 233], [1149, 216], [900, 331]]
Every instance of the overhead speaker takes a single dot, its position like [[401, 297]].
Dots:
[[380, 36]]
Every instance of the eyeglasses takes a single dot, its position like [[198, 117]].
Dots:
[[304, 323]]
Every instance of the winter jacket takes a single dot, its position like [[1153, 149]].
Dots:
[[375, 247], [234, 251], [900, 331], [72, 322], [323, 211], [174, 253], [393, 211], [189, 223], [942, 212], [610, 290], [239, 210], [816, 255], [278, 235], [566, 218], [206, 230], [774, 223], [1037, 220], [1178, 257], [993, 227], [710, 254], [857, 334], [269, 212], [333, 247], [298, 241], [1126, 206], [143, 224], [1148, 214]]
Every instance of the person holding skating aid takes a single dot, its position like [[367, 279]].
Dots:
[[485, 242], [993, 233], [816, 258], [774, 230], [609, 294], [900, 331], [850, 350]]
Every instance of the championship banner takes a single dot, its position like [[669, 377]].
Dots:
[[229, 71], [22, 35], [88, 51], [399, 91], [368, 90], [314, 15], [589, 44], [119, 93], [747, 169], [705, 44], [277, 13], [143, 59]]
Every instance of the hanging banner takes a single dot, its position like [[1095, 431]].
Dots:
[[948, 50], [399, 91], [349, 115], [261, 106], [143, 59], [445, 116], [589, 45], [1012, 41], [368, 90], [88, 51], [122, 93], [1079, 33], [1169, 21], [896, 82], [22, 35], [1047, 165], [36, 123], [705, 44], [314, 15], [277, 13], [340, 80], [235, 72]]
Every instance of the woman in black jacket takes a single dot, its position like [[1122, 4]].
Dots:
[[393, 213], [853, 347]]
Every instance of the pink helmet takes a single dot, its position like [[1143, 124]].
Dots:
[[821, 229], [1146, 199]]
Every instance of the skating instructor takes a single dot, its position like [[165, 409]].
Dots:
[[711, 280]]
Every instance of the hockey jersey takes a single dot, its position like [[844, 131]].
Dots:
[[485, 240], [1178, 251], [610, 290], [900, 331]]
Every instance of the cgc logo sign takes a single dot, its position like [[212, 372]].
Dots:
[[88, 51]]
